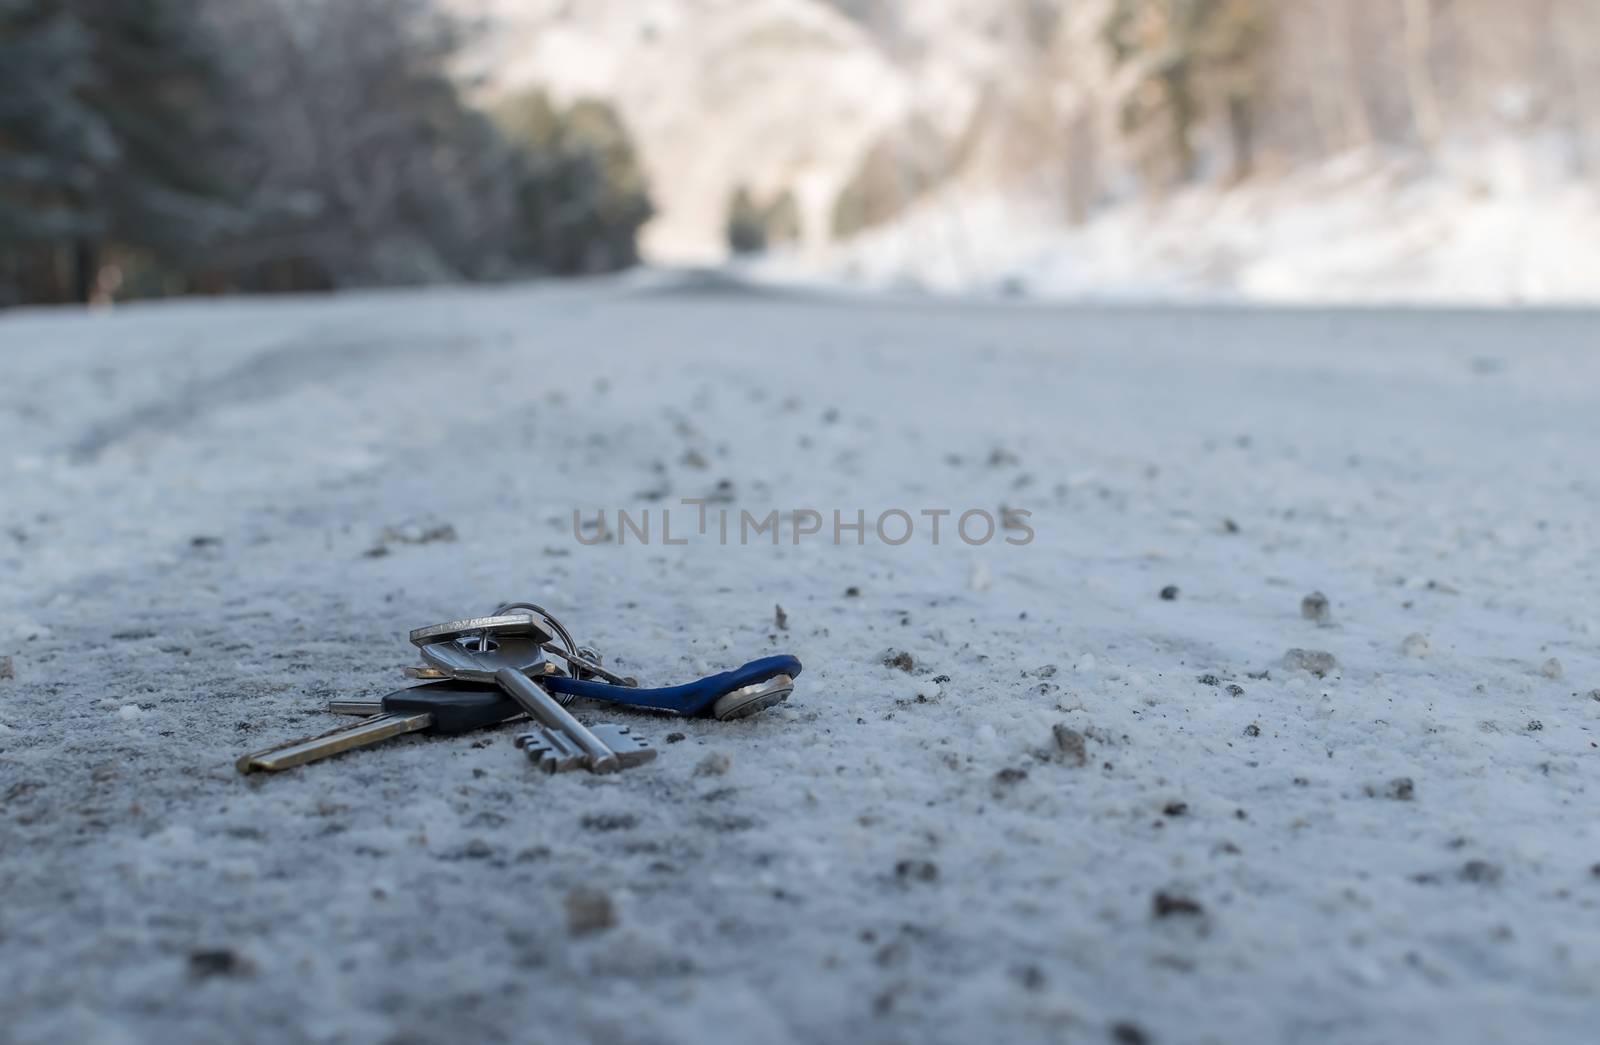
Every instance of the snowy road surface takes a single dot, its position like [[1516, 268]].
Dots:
[[1075, 811]]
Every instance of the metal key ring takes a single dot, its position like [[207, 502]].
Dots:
[[576, 656], [559, 628]]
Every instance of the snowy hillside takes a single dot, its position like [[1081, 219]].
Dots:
[[1133, 780], [1489, 226], [1042, 194]]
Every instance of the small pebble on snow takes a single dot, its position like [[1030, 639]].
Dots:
[[1416, 645], [714, 764], [1551, 669], [589, 910], [1316, 662], [1315, 607], [1167, 905], [1169, 593], [1070, 746], [1401, 789], [413, 531], [1124, 1032], [220, 961], [899, 659]]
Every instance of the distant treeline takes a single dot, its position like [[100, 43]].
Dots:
[[154, 147]]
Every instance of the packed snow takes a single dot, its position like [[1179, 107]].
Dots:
[[1281, 727]]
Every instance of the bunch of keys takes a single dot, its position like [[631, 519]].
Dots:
[[481, 671], [758, 685]]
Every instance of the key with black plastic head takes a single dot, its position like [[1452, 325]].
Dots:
[[445, 708], [549, 749]]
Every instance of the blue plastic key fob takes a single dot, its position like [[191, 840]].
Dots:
[[732, 694]]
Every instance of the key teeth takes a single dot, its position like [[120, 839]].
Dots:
[[552, 752], [631, 750]]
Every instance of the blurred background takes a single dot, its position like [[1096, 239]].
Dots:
[[1280, 150]]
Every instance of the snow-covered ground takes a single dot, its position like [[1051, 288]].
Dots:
[[1074, 811]]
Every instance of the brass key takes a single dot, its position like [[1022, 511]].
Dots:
[[445, 708]]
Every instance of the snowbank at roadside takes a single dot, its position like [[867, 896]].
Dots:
[[1497, 224]]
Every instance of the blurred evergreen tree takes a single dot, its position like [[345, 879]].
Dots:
[[184, 145], [363, 161], [753, 228], [747, 229], [52, 143], [582, 192], [783, 220], [109, 113], [162, 90], [1183, 54]]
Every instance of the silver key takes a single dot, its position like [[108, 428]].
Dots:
[[423, 673], [522, 619], [553, 752], [507, 661], [524, 623]]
